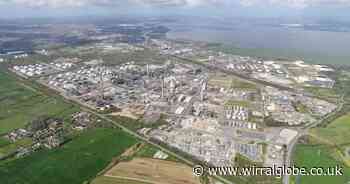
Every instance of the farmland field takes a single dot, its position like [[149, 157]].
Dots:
[[324, 93], [337, 132], [12, 147], [153, 171], [109, 180], [318, 156], [76, 162], [4, 142], [19, 104], [231, 82], [148, 151]]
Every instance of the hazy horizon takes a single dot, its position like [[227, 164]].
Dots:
[[295, 9]]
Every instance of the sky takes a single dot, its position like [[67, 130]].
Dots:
[[338, 9]]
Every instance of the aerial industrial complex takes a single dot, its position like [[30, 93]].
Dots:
[[214, 108]]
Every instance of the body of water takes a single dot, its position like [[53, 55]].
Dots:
[[278, 41]]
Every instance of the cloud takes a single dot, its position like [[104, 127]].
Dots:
[[183, 3], [49, 3], [80, 3], [174, 3], [62, 3]]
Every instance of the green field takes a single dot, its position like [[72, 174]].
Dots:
[[4, 142], [329, 95], [134, 125], [241, 161], [231, 82], [4, 146], [338, 132], [77, 161], [323, 92], [318, 156], [12, 147], [21, 103], [239, 103], [148, 151]]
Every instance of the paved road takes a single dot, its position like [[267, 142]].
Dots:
[[305, 131], [237, 74], [301, 132], [290, 150], [106, 118], [340, 104]]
